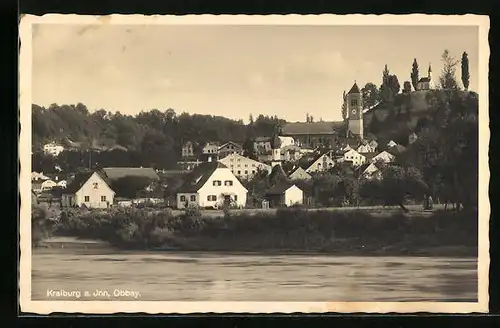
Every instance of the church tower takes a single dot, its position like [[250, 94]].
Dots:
[[354, 104], [429, 76], [276, 150]]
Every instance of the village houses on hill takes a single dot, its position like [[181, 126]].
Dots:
[[215, 176]]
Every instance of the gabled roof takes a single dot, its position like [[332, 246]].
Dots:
[[199, 176], [304, 128], [79, 180], [279, 188], [115, 173], [396, 150], [370, 155], [232, 143], [307, 160], [354, 89], [424, 79]]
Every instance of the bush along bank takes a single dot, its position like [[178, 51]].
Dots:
[[444, 233]]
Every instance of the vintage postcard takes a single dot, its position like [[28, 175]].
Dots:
[[254, 164]]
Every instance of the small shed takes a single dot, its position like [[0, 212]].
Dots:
[[284, 193]]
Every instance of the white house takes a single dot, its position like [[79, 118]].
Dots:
[[321, 163], [354, 157], [53, 149], [211, 185], [298, 173], [88, 189], [391, 144], [370, 171], [243, 167], [286, 141], [285, 194], [187, 149], [384, 157], [365, 148], [35, 176], [48, 185], [210, 148]]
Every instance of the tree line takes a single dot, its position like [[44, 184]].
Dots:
[[150, 138]]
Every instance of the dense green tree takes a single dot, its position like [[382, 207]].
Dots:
[[249, 149], [448, 79], [414, 74], [465, 71], [370, 95]]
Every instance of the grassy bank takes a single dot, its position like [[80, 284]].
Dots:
[[356, 232]]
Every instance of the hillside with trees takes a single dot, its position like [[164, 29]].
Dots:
[[150, 138]]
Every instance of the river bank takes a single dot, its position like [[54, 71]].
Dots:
[[288, 231], [74, 243]]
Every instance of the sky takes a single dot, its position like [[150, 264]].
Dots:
[[233, 70]]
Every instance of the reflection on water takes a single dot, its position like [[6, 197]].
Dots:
[[221, 277]]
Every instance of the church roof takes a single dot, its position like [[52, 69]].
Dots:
[[304, 128], [424, 79], [354, 89]]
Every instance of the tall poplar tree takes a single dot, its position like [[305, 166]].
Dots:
[[414, 74], [465, 70]]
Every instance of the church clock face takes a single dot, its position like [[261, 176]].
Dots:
[[354, 111]]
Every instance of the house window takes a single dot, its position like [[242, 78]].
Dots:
[[96, 185], [228, 183], [193, 198], [253, 171], [354, 102], [239, 172], [183, 198], [246, 165], [217, 183], [246, 171], [87, 198], [103, 198], [253, 165], [239, 165], [211, 198], [235, 197]]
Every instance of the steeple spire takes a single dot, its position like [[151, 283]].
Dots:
[[430, 70]]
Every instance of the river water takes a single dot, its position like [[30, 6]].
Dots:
[[167, 276]]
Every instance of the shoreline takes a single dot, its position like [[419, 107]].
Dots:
[[75, 243]]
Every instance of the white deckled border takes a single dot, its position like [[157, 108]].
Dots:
[[101, 307]]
